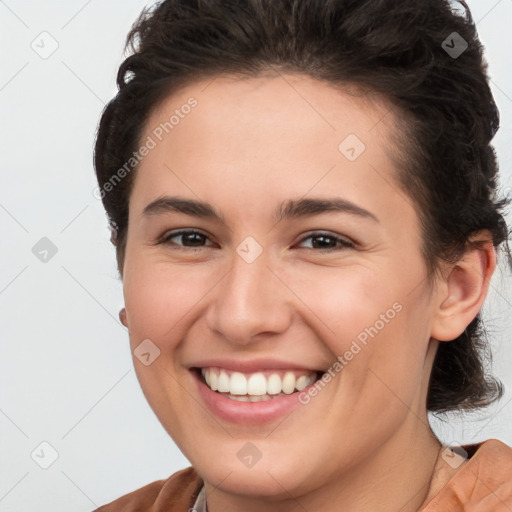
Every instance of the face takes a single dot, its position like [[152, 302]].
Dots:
[[265, 288]]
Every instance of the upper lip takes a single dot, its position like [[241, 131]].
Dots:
[[253, 365]]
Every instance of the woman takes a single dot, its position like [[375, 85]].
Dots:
[[302, 196]]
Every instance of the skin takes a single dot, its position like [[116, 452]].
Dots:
[[364, 442]]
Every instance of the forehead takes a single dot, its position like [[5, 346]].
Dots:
[[237, 140], [278, 101]]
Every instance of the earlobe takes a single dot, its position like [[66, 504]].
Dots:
[[465, 289], [122, 317]]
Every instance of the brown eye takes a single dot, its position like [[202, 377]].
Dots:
[[187, 239], [328, 242]]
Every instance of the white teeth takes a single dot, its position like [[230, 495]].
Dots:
[[239, 398], [213, 381], [302, 382], [223, 382], [258, 386], [288, 384], [274, 384], [262, 398], [238, 384]]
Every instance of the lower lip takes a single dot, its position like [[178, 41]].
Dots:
[[245, 413]]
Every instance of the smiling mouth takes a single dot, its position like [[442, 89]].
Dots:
[[256, 386]]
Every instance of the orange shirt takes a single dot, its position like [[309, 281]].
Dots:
[[482, 484]]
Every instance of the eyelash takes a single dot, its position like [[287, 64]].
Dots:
[[345, 244]]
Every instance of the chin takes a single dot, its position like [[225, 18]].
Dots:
[[259, 484], [269, 478]]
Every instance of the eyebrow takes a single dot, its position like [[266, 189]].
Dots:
[[290, 209]]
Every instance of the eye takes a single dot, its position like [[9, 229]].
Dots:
[[328, 242], [192, 239], [189, 239]]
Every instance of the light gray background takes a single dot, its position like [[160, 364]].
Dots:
[[66, 373]]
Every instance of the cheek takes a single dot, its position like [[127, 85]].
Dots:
[[159, 297], [346, 300], [373, 324]]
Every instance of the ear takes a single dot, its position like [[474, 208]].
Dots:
[[464, 288], [122, 317]]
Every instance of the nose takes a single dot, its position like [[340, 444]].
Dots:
[[250, 303]]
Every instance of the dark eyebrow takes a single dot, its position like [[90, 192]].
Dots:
[[310, 206], [289, 210], [178, 204]]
